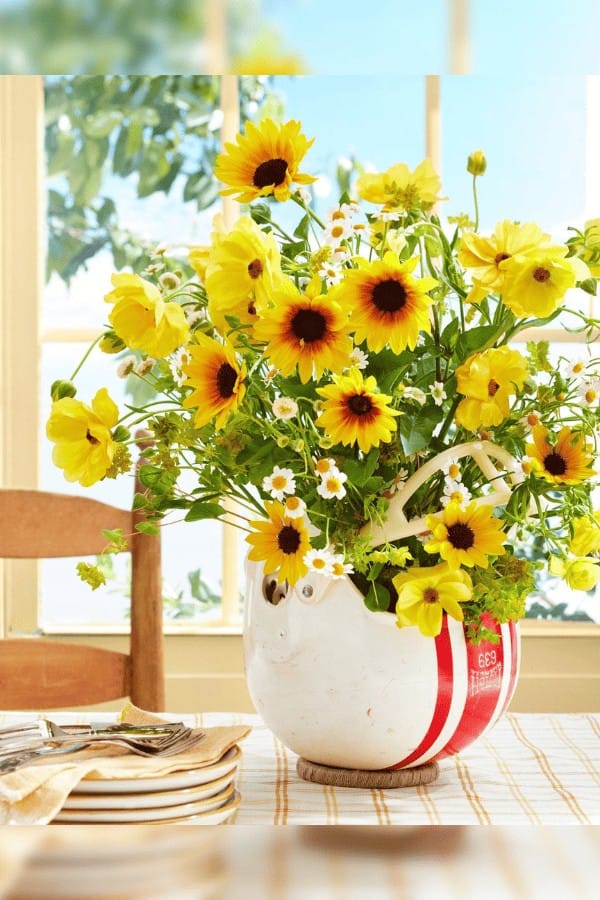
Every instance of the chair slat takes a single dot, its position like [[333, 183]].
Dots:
[[39, 674]]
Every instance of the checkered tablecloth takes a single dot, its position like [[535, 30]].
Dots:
[[533, 769]]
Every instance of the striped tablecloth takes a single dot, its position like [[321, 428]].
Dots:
[[533, 769]]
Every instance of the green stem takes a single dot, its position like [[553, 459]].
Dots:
[[476, 202], [85, 356], [307, 209], [449, 418]]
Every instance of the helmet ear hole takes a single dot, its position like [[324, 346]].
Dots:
[[273, 592]]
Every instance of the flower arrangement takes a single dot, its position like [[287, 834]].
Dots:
[[306, 379]]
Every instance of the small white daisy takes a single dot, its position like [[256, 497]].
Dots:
[[438, 393], [169, 281], [320, 561], [325, 466], [160, 250], [194, 316], [359, 359], [337, 231], [391, 216], [339, 567], [589, 392], [359, 227], [454, 490], [532, 419], [279, 483], [284, 408], [295, 507], [304, 194], [414, 393], [338, 214], [176, 363], [331, 273], [574, 368], [332, 485], [452, 469], [126, 366]]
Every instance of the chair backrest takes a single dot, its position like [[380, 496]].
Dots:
[[46, 674]]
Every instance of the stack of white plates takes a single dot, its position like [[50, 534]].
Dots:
[[203, 796]]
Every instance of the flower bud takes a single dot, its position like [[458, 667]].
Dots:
[[282, 441], [477, 163], [111, 343], [298, 446], [121, 434], [60, 389], [169, 281]]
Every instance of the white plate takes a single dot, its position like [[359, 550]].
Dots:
[[210, 817], [171, 782], [153, 814], [153, 799]]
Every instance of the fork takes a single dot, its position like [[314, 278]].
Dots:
[[17, 758]]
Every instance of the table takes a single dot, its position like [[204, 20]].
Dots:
[[531, 769]]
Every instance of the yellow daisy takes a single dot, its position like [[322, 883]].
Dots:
[[486, 254], [424, 594], [488, 380], [281, 542], [305, 330], [354, 412], [217, 379], [400, 189], [264, 161], [387, 305], [241, 273], [465, 535], [536, 282], [566, 461], [84, 446]]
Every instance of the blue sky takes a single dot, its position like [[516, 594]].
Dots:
[[408, 37]]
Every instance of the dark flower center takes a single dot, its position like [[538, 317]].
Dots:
[[389, 296], [500, 257], [255, 269], [309, 325], [90, 437], [492, 387], [226, 379], [270, 172], [359, 405], [461, 536], [288, 539], [541, 274], [430, 595], [555, 464]]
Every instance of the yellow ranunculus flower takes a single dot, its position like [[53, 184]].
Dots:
[[82, 434], [586, 535], [487, 380], [581, 574], [142, 319], [424, 594], [485, 255], [535, 282], [400, 189]]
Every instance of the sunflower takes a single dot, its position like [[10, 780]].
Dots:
[[387, 305], [241, 273], [536, 282], [485, 255], [564, 461], [305, 330], [264, 161], [217, 378], [282, 542], [354, 412], [400, 189], [465, 535], [488, 380], [424, 594]]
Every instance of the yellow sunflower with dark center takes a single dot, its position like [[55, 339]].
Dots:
[[217, 379], [388, 306], [281, 542], [568, 460], [264, 161], [354, 412], [305, 330], [465, 535]]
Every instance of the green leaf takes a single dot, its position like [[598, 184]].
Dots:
[[302, 227], [147, 528], [103, 123], [588, 285], [260, 212], [416, 431], [474, 339], [359, 471], [202, 510], [377, 598]]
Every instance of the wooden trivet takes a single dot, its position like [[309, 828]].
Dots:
[[364, 778]]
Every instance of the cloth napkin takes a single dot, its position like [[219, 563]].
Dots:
[[34, 794]]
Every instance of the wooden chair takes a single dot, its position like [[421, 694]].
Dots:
[[45, 674]]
